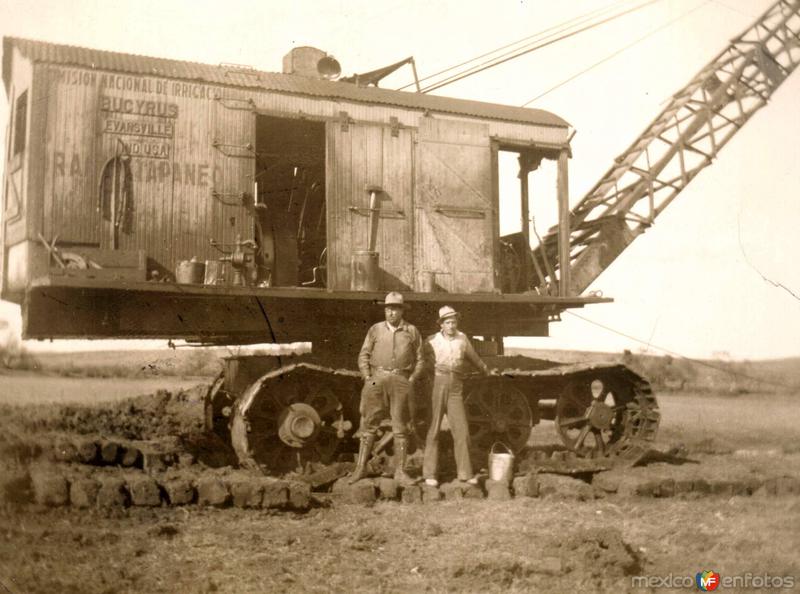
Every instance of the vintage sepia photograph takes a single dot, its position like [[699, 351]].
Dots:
[[383, 296]]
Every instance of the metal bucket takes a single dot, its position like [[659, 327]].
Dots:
[[364, 271], [215, 273], [190, 272], [428, 281], [501, 466]]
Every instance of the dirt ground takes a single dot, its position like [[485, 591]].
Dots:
[[550, 544]]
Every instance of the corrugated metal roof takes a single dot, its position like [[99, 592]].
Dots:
[[40, 51]]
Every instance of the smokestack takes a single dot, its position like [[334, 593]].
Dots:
[[311, 62]]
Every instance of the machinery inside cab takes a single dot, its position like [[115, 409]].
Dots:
[[289, 206], [127, 175]]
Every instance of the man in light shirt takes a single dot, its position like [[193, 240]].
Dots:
[[389, 361], [451, 352]]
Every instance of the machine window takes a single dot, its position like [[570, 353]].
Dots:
[[20, 121]]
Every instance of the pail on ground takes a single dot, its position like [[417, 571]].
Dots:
[[501, 465]]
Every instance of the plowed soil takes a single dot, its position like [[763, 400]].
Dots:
[[551, 544]]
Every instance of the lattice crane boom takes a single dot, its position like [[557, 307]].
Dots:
[[682, 141]]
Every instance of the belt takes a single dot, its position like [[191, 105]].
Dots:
[[402, 372], [454, 374]]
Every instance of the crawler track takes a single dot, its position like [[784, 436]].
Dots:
[[301, 415]]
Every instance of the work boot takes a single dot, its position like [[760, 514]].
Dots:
[[364, 450], [400, 453]]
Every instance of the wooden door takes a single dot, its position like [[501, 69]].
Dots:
[[362, 155], [454, 212]]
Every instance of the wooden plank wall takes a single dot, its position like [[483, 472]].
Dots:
[[172, 124], [70, 188], [173, 165]]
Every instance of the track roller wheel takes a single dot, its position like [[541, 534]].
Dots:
[[496, 412]]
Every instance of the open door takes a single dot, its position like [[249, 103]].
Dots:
[[454, 207], [290, 206]]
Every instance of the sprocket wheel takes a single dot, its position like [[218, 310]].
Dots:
[[607, 418], [284, 423]]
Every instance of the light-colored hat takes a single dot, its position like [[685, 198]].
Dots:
[[447, 312], [396, 299]]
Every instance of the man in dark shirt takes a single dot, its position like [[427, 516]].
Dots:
[[390, 361]]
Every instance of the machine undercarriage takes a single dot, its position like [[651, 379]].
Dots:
[[294, 417]]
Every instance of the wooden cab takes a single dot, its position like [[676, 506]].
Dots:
[[121, 167]]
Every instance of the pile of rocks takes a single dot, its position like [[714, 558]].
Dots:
[[47, 487]]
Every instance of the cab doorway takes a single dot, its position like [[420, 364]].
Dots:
[[290, 200]]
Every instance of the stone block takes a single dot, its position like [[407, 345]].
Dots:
[[721, 487], [299, 495], [179, 491], [361, 492], [526, 485], [212, 491], [83, 492], [65, 451], [388, 488], [246, 492], [276, 493], [15, 487], [411, 494], [131, 457], [608, 482], [497, 490], [473, 492], [110, 452], [86, 451], [430, 494], [144, 491], [112, 493], [452, 491], [50, 488], [153, 462], [557, 486], [701, 487], [647, 488], [666, 488]]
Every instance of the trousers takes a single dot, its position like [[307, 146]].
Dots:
[[447, 398], [385, 395]]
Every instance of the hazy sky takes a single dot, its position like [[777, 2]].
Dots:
[[693, 283]]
